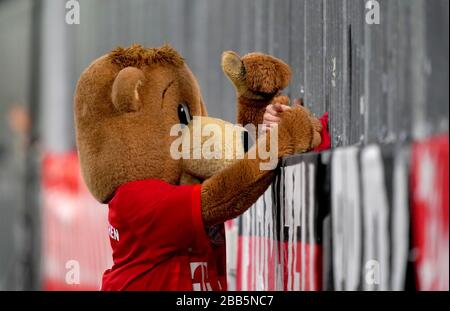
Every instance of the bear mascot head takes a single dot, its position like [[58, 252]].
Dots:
[[140, 131]]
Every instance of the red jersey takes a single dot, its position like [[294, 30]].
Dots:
[[159, 241]]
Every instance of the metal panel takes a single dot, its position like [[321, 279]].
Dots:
[[314, 56], [297, 48], [437, 46], [336, 70]]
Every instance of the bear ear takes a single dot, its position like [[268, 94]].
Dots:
[[125, 90], [233, 66]]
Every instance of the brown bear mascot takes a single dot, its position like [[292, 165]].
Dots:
[[166, 211]]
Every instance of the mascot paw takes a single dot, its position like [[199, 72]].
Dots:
[[298, 131], [317, 125]]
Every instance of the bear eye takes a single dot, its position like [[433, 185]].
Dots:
[[184, 114]]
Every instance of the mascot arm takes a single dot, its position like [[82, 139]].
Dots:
[[233, 190]]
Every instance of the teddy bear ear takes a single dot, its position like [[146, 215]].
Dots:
[[233, 66], [125, 90]]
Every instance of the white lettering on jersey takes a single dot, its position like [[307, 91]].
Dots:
[[113, 233]]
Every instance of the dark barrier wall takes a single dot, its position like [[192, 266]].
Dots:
[[370, 218], [381, 83]]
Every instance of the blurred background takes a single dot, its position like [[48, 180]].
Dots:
[[383, 83]]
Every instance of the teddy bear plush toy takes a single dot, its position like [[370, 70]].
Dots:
[[166, 207]]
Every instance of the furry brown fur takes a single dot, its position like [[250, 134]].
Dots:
[[137, 56]]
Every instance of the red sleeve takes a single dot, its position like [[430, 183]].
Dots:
[[201, 238], [169, 217], [324, 135]]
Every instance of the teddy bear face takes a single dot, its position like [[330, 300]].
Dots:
[[125, 104]]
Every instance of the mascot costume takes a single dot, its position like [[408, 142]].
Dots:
[[166, 211]]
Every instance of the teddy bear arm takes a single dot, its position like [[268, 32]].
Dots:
[[233, 190]]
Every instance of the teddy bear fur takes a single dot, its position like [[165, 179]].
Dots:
[[126, 103]]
